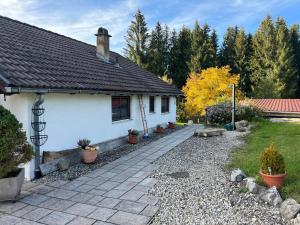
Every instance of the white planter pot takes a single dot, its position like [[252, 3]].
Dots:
[[10, 187]]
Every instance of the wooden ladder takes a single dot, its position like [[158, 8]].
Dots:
[[143, 116]]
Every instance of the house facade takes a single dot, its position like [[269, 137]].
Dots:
[[62, 89]]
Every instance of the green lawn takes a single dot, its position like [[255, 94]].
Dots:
[[287, 138]]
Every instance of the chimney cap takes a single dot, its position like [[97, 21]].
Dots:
[[102, 31]]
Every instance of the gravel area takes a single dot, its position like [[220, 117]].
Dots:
[[202, 194], [82, 168]]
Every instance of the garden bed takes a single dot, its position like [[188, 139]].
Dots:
[[81, 168], [286, 136]]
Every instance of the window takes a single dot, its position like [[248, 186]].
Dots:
[[164, 104], [151, 104], [120, 108]]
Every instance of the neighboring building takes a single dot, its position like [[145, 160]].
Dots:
[[86, 91], [279, 107]]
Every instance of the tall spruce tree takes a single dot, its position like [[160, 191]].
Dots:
[[156, 51], [227, 53], [214, 44], [284, 66], [136, 40], [181, 56], [295, 41]]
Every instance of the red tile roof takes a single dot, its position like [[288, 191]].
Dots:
[[278, 105]]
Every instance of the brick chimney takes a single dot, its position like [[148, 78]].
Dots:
[[103, 44]]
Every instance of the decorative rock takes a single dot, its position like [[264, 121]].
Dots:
[[63, 164], [242, 123], [271, 196], [237, 175], [190, 122], [241, 129], [289, 208], [209, 132], [296, 221], [251, 185]]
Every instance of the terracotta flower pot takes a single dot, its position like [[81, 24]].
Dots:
[[89, 156], [273, 180], [160, 130], [172, 125], [133, 139]]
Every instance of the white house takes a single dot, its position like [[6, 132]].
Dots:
[[62, 89]]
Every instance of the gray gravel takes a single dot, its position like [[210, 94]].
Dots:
[[206, 196]]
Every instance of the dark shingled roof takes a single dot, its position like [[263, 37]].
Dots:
[[34, 58]]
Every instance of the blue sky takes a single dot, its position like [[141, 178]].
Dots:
[[81, 18]]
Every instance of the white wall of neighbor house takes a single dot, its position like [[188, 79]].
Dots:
[[71, 117]]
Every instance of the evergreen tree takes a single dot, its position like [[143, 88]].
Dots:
[[284, 66], [227, 52], [136, 40], [166, 48], [214, 45], [156, 51], [295, 42], [181, 56], [243, 52]]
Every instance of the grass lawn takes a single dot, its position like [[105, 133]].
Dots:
[[286, 136]]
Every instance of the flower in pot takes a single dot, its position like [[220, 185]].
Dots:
[[89, 153], [133, 136], [272, 167], [14, 150], [171, 125], [159, 129]]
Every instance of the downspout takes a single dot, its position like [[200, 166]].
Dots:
[[36, 119]]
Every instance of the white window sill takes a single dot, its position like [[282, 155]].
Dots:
[[152, 113], [121, 121], [165, 113]]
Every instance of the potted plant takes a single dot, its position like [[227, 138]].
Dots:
[[14, 150], [159, 129], [171, 125], [272, 167], [133, 136], [89, 153]]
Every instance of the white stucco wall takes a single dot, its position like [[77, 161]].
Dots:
[[71, 117]]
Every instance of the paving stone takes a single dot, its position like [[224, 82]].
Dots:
[[10, 207], [34, 199], [120, 178], [102, 223], [37, 214], [108, 185], [131, 207], [82, 197], [56, 204], [97, 181], [102, 214], [125, 218], [84, 179], [80, 209], [126, 186], [58, 183], [108, 174], [142, 174], [41, 189], [24, 210], [96, 192], [94, 200], [84, 188], [109, 202], [9, 220], [148, 199], [132, 195], [114, 193], [148, 182], [72, 185], [82, 221], [135, 179], [57, 218], [28, 222], [61, 193], [142, 188], [150, 210]]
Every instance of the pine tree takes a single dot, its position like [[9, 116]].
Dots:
[[197, 40], [243, 52], [227, 53], [214, 45], [284, 67], [136, 40], [180, 57], [156, 51], [295, 42], [265, 83]]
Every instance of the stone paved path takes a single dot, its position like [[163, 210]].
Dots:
[[116, 193]]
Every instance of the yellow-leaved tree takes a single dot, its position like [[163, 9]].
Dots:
[[211, 86]]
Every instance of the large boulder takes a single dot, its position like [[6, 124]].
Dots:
[[237, 175], [271, 196], [209, 132], [289, 208], [63, 164], [241, 126], [296, 221]]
